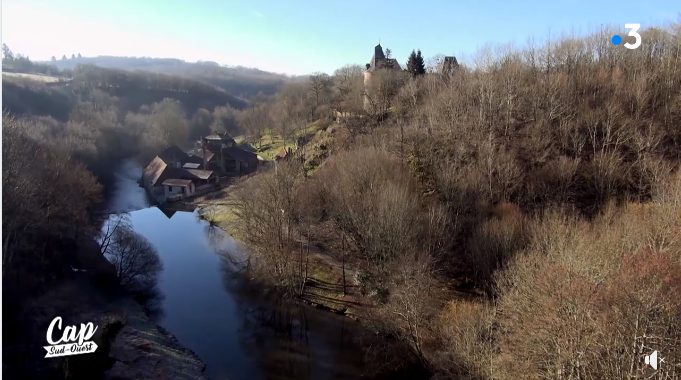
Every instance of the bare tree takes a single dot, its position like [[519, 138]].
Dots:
[[267, 207], [111, 226], [320, 84], [136, 261], [433, 63], [349, 82], [255, 121]]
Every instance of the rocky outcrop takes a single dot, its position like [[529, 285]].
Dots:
[[144, 350]]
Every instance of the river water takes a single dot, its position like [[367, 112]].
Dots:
[[208, 307]]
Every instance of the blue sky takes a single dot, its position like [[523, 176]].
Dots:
[[302, 36]]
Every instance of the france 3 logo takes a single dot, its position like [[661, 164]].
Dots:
[[617, 39]]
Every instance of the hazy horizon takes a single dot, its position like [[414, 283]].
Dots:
[[305, 37]]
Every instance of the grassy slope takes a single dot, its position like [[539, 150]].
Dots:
[[271, 143], [37, 77], [324, 286]]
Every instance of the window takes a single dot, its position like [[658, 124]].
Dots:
[[170, 189]]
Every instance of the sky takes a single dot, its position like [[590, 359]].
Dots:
[[298, 37]]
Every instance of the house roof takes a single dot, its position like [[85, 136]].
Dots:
[[154, 170], [199, 153], [378, 54], [191, 165], [217, 136], [200, 174], [177, 182], [167, 212], [173, 153], [240, 154], [448, 64], [283, 152]]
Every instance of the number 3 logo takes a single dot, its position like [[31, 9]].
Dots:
[[633, 33]]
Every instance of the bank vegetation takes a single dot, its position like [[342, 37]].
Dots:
[[521, 217]]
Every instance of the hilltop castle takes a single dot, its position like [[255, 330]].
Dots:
[[379, 61]]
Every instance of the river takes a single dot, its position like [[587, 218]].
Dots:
[[204, 303]]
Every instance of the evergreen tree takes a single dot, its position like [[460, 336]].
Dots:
[[420, 64], [416, 65], [411, 63], [7, 53]]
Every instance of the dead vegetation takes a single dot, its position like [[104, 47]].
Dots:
[[546, 177]]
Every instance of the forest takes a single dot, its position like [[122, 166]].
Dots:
[[520, 217], [61, 146]]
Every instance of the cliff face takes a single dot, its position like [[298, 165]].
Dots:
[[141, 349]]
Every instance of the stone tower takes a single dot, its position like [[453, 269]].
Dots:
[[378, 62]]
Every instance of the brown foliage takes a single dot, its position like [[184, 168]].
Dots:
[[550, 175], [46, 197]]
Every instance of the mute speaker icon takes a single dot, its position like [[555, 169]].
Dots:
[[652, 359]]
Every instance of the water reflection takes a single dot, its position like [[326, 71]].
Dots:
[[291, 340], [205, 298], [151, 300]]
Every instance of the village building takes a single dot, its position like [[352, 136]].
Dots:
[[174, 175], [218, 152], [165, 179], [448, 66], [283, 155], [378, 62]]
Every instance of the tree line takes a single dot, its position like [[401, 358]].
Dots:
[[23, 64], [520, 217]]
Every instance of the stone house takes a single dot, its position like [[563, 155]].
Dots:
[[219, 152], [166, 179]]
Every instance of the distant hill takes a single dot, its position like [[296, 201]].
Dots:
[[137, 88], [239, 81], [22, 94]]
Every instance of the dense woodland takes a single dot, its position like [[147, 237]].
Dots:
[[520, 217], [61, 145]]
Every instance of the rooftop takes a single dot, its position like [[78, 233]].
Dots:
[[283, 152], [200, 152], [201, 174], [240, 154], [217, 136], [172, 154], [176, 182]]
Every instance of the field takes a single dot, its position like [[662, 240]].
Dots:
[[37, 77]]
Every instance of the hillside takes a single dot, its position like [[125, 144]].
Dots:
[[520, 218], [239, 81], [137, 88]]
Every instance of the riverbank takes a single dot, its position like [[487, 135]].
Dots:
[[330, 284], [140, 350]]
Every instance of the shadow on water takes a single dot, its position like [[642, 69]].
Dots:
[[151, 300], [216, 311], [290, 340]]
